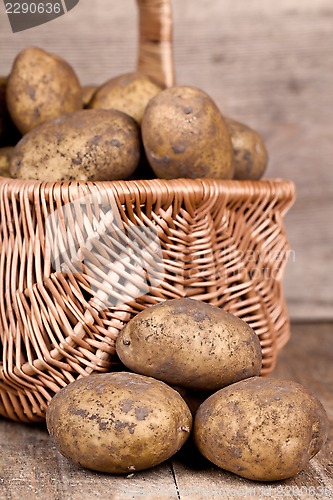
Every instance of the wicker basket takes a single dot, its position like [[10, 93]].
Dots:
[[221, 241]]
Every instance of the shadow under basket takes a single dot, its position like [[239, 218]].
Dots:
[[221, 242]]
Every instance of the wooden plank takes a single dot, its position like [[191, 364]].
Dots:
[[307, 359], [196, 482], [30, 467], [269, 64]]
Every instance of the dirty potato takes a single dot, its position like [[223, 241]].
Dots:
[[185, 135], [118, 422], [189, 343], [89, 145], [250, 153], [263, 429], [129, 93], [40, 87]]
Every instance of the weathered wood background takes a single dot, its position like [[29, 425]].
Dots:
[[269, 64]]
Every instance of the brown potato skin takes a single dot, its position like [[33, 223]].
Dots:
[[129, 93], [118, 422], [88, 145], [87, 94], [185, 135], [262, 429], [41, 86], [193, 399], [189, 343], [5, 154], [250, 153]]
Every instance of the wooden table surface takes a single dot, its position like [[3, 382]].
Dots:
[[30, 467]]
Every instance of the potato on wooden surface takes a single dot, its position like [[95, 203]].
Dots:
[[185, 135], [88, 145], [129, 93], [118, 422], [40, 87], [250, 153], [189, 343], [263, 429]]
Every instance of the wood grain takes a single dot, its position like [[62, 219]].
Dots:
[[269, 64], [31, 467]]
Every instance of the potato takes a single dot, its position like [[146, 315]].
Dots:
[[261, 428], [9, 135], [193, 399], [88, 145], [250, 154], [5, 154], [185, 135], [41, 86], [87, 93], [189, 343], [129, 93], [118, 422]]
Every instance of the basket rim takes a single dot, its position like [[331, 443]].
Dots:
[[153, 193], [279, 187]]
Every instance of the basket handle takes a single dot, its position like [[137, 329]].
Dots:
[[155, 54]]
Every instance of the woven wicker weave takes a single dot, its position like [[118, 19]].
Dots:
[[222, 242]]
